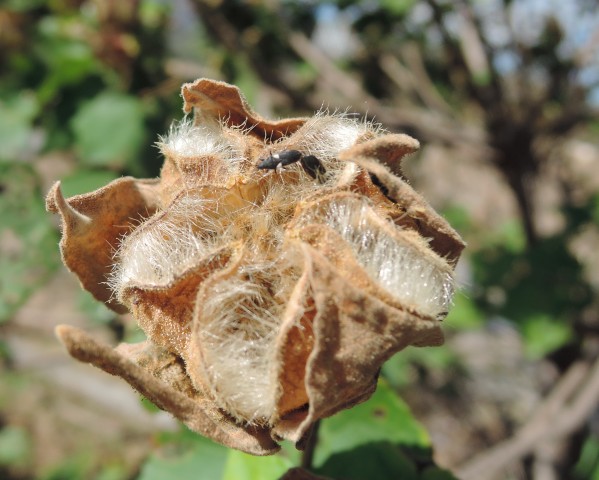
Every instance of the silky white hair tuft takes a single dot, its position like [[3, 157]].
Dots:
[[188, 140], [240, 323], [325, 135], [166, 246], [422, 283]]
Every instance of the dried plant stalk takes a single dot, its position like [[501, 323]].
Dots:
[[270, 299]]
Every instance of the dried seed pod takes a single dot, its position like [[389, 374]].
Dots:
[[274, 267]]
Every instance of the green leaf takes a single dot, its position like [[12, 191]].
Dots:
[[73, 467], [112, 472], [22, 5], [509, 237], [15, 446], [134, 335], [16, 119], [378, 439], [193, 457], [149, 406], [28, 240], [153, 12], [246, 80], [594, 207], [400, 369], [85, 180], [544, 334], [515, 284], [383, 418], [587, 467], [67, 60], [290, 453], [482, 77], [458, 217], [397, 7], [372, 461], [464, 313], [109, 130], [241, 466], [435, 473], [67, 56]]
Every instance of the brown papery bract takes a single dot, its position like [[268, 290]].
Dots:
[[269, 298]]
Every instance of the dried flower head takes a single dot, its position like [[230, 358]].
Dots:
[[274, 266]]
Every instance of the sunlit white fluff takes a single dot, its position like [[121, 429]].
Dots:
[[325, 135], [166, 246], [185, 139], [240, 322], [424, 283]]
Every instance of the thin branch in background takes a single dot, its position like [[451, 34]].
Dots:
[[471, 45], [475, 44], [221, 29], [563, 412], [428, 125], [414, 80], [427, 89], [335, 78], [400, 75], [456, 61]]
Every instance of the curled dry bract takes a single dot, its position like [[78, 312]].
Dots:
[[270, 299]]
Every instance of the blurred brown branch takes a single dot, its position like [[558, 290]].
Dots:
[[563, 412], [225, 33]]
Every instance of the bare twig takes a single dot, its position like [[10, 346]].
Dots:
[[220, 28], [471, 44], [563, 412], [414, 79], [334, 77], [429, 124], [426, 87], [481, 53], [543, 467], [401, 76]]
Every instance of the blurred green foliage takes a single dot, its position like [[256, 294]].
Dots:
[[185, 455], [15, 447], [514, 282], [378, 439], [29, 238], [71, 69], [587, 467], [87, 80], [94, 124]]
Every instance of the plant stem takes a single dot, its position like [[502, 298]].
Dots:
[[308, 454]]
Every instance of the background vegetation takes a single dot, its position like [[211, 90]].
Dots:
[[502, 94]]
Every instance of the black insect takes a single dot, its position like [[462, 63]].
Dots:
[[279, 160], [311, 165]]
